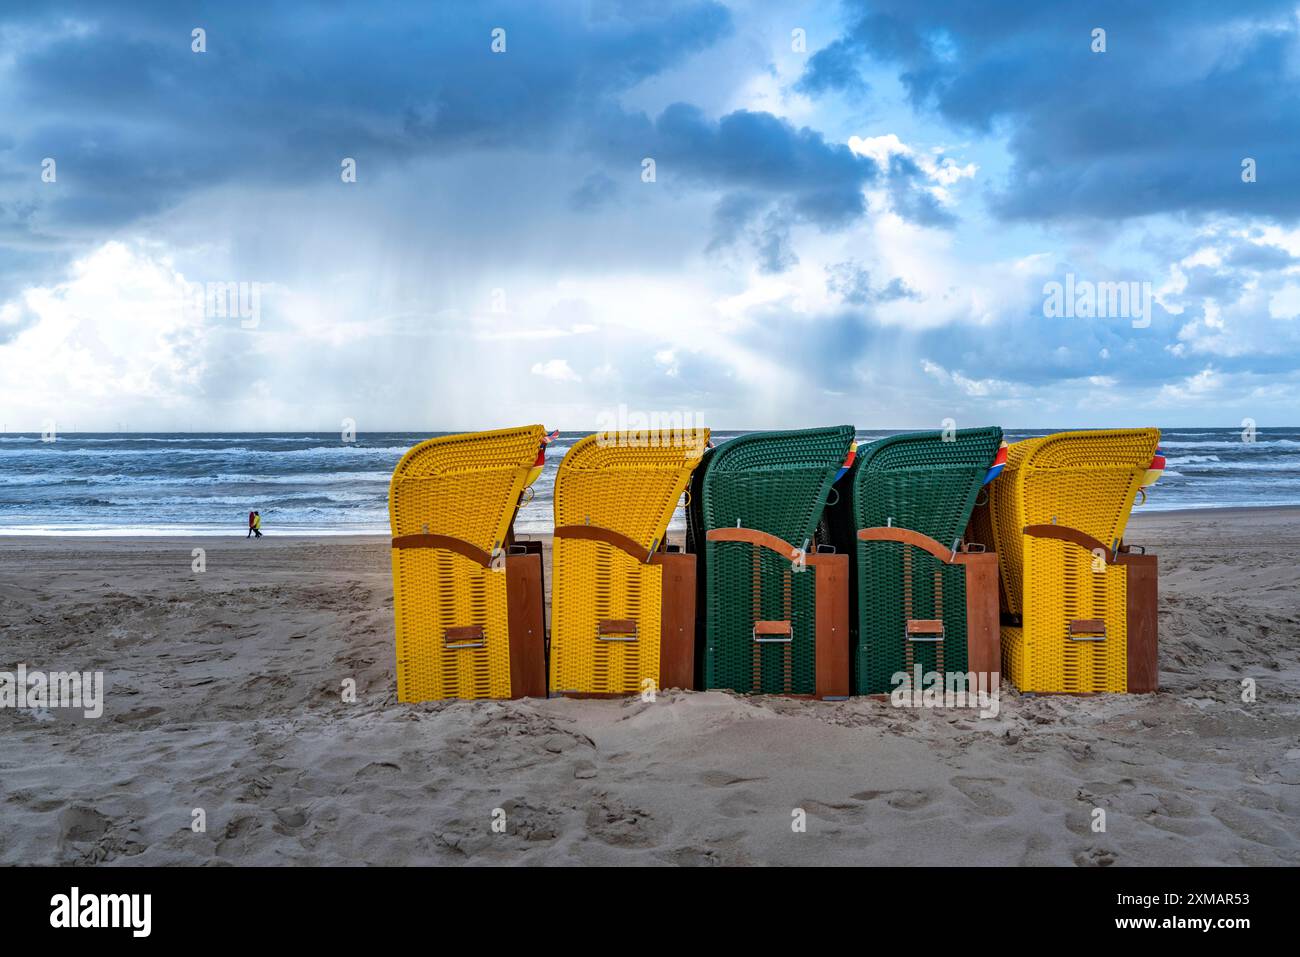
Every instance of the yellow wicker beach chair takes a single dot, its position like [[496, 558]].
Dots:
[[1057, 515], [468, 607], [622, 610]]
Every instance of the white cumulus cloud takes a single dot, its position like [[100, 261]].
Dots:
[[557, 370]]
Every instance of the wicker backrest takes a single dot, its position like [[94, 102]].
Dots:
[[924, 482], [778, 483], [629, 482], [466, 485]]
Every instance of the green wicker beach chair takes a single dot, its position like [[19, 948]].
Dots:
[[909, 499], [767, 605]]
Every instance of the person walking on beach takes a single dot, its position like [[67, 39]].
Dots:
[[257, 524], [251, 524]]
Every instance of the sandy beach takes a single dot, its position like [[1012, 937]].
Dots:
[[223, 693]]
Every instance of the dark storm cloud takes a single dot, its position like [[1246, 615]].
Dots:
[[138, 122], [1259, 256], [917, 205], [763, 154], [768, 169], [1159, 122], [775, 252], [136, 119], [852, 283], [834, 67]]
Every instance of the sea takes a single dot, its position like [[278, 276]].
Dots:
[[311, 483]]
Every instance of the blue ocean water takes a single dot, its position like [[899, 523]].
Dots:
[[313, 483]]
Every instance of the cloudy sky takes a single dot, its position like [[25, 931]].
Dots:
[[853, 214]]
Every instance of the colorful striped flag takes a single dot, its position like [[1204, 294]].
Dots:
[[848, 460], [540, 462], [1155, 469], [999, 461]]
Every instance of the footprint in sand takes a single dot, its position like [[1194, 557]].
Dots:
[[531, 823], [1249, 826], [722, 779], [256, 789], [612, 822], [692, 857], [835, 813], [35, 802], [290, 818], [741, 802], [1094, 857], [1177, 806], [241, 826], [1078, 749], [982, 792], [903, 800], [1091, 790], [80, 824], [378, 769], [138, 714]]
